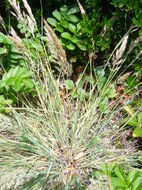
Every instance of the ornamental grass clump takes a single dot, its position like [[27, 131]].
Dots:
[[56, 141]]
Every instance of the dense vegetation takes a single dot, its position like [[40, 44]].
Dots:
[[70, 94]]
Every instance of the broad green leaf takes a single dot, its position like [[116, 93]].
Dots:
[[140, 118], [28, 83], [132, 176], [66, 35], [120, 173], [70, 46], [64, 10], [112, 92], [35, 43], [103, 105], [82, 46], [76, 40], [17, 85], [64, 23], [74, 93], [133, 122], [59, 28], [69, 84], [101, 84], [138, 184], [72, 28], [73, 10], [57, 15], [7, 41], [117, 183], [81, 92], [72, 18], [52, 22], [10, 81], [137, 132], [99, 71]]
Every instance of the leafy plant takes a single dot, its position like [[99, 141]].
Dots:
[[119, 179], [134, 120], [18, 78], [76, 90], [11, 56], [69, 26]]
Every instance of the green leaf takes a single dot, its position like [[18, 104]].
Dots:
[[103, 105], [74, 93], [76, 40], [15, 56], [132, 176], [117, 183], [52, 22], [138, 184], [133, 122], [17, 85], [23, 30], [19, 26], [69, 84], [79, 26], [111, 92], [82, 46], [3, 51], [28, 34], [70, 46], [57, 15], [72, 28], [64, 10], [72, 18], [120, 173], [81, 92], [66, 35], [10, 81], [59, 28], [28, 83], [137, 132], [64, 23], [73, 10], [140, 118], [99, 71]]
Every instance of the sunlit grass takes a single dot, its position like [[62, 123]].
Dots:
[[56, 142]]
